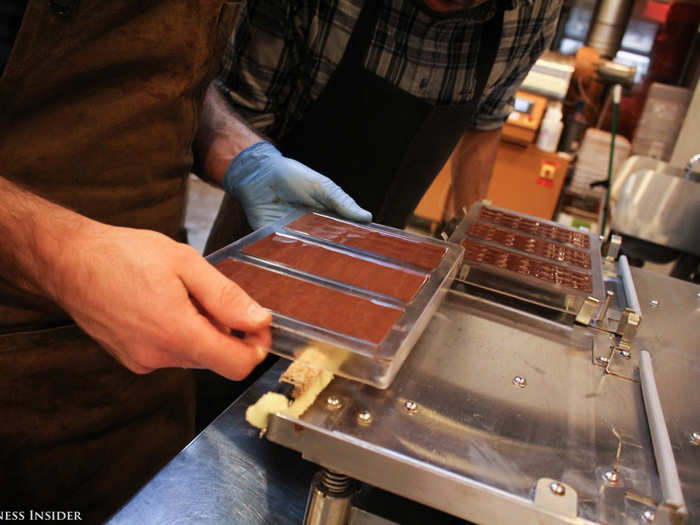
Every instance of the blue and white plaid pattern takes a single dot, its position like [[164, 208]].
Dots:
[[283, 53]]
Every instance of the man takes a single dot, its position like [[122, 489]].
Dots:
[[376, 95], [100, 103]]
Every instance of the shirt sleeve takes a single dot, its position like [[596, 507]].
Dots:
[[258, 62], [516, 61]]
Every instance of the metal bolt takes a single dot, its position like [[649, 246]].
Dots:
[[625, 354], [334, 402], [695, 438], [653, 303], [612, 477], [364, 417], [410, 406], [648, 516], [520, 381], [557, 488], [602, 360]]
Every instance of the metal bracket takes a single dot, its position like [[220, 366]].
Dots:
[[613, 247], [627, 327], [588, 308], [556, 497]]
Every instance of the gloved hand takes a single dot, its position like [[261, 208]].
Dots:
[[270, 186]]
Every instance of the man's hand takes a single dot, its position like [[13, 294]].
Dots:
[[149, 301], [270, 186], [154, 303], [267, 184]]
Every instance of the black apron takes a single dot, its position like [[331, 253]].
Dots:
[[382, 145]]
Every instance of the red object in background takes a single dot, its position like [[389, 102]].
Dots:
[[656, 11], [546, 175], [670, 50]]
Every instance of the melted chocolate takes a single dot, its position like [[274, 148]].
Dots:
[[523, 265], [343, 267], [535, 227], [423, 254], [312, 303], [550, 250]]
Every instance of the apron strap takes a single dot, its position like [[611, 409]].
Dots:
[[491, 33], [361, 36]]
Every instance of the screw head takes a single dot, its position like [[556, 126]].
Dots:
[[557, 488], [602, 360], [410, 406], [520, 381], [695, 438], [612, 477], [334, 402], [364, 417], [625, 354], [648, 516], [653, 303]]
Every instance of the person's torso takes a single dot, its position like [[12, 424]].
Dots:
[[100, 106], [432, 58]]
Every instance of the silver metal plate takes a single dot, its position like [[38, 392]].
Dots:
[[660, 208], [477, 444]]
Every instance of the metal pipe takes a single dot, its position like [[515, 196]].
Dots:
[[623, 267], [608, 25], [663, 451], [330, 499]]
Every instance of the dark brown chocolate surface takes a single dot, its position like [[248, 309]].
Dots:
[[535, 227], [524, 265], [548, 249], [316, 260], [423, 254], [312, 303]]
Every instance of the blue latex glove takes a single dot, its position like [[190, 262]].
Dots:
[[270, 186]]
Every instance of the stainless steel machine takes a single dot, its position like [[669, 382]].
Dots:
[[523, 402]]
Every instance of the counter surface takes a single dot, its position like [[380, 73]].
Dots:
[[478, 444]]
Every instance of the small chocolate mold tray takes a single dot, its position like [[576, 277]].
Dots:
[[530, 258]]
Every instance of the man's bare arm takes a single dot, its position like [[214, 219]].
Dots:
[[149, 301], [220, 137], [472, 163], [268, 185]]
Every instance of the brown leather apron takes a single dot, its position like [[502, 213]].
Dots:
[[99, 105]]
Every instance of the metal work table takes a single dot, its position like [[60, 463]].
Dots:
[[492, 406]]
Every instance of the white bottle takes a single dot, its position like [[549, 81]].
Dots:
[[550, 129]]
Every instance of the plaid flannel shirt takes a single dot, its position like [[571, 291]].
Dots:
[[283, 52]]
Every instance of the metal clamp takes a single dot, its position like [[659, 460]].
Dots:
[[613, 247], [588, 308], [627, 327], [557, 497]]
